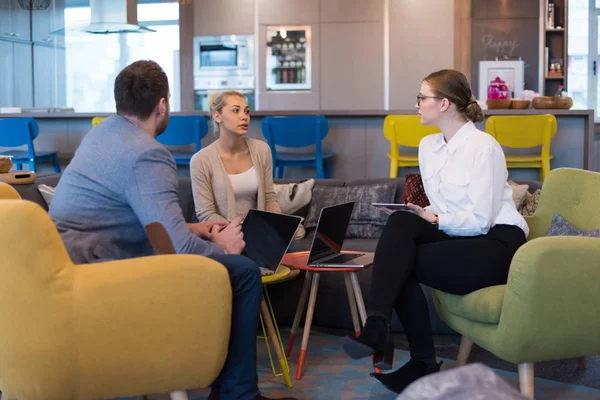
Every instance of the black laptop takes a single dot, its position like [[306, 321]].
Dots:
[[326, 247], [268, 236]]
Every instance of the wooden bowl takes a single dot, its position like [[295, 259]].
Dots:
[[544, 102], [519, 104], [498, 104], [564, 102], [549, 102], [5, 164]]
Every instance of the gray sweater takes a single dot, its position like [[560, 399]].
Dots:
[[120, 180], [213, 194]]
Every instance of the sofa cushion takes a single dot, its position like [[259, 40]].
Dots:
[[530, 203], [414, 191], [519, 193], [294, 196], [31, 192], [483, 305], [561, 227], [366, 221]]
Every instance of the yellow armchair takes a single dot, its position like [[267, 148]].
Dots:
[[124, 328]]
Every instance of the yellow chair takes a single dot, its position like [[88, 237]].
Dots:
[[7, 192], [525, 131], [269, 323], [162, 244], [156, 324], [404, 130], [97, 120]]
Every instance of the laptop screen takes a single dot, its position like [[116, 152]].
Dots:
[[268, 236], [331, 231]]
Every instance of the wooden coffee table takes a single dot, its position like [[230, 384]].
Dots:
[[298, 261]]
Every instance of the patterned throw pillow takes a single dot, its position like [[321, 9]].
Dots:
[[367, 222], [531, 203], [414, 192], [561, 227]]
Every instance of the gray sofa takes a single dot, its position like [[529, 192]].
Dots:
[[331, 310]]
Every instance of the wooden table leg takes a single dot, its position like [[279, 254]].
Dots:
[[359, 299], [352, 304], [299, 311], [307, 323]]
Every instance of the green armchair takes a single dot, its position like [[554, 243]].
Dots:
[[548, 309]]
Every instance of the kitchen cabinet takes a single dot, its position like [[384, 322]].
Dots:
[[16, 79], [223, 17], [352, 11], [421, 42], [352, 66], [50, 76], [14, 20], [288, 12], [45, 21]]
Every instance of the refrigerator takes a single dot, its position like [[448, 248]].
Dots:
[[288, 58]]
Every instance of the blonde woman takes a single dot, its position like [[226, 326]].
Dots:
[[234, 174]]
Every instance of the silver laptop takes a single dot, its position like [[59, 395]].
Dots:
[[326, 247], [268, 236]]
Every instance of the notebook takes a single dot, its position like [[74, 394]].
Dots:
[[268, 236], [326, 247]]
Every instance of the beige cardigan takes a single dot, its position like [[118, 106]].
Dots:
[[214, 198]]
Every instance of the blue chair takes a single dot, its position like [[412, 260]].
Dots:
[[182, 131], [295, 132], [16, 132]]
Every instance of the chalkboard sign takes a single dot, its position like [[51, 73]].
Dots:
[[505, 30]]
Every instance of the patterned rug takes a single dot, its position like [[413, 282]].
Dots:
[[330, 374]]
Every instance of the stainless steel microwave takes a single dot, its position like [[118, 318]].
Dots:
[[224, 55]]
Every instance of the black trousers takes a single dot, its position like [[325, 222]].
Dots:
[[412, 251]]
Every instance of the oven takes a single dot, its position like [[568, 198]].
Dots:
[[224, 55]]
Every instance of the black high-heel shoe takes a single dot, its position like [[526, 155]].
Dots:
[[384, 359], [375, 340], [398, 380]]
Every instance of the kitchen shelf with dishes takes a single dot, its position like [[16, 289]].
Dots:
[[555, 46]]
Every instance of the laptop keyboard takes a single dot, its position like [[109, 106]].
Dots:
[[342, 258]]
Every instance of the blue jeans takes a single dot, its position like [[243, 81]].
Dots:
[[238, 378]]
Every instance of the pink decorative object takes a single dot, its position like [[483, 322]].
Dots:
[[498, 90]]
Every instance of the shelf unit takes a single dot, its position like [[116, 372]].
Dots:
[[555, 45]]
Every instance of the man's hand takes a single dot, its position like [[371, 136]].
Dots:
[[231, 237], [204, 229], [426, 215]]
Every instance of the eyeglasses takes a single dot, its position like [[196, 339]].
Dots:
[[420, 98]]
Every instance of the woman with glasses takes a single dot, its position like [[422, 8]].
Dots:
[[462, 242]]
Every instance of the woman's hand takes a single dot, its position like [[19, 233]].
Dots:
[[426, 215], [203, 229]]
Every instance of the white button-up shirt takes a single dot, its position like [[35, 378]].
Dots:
[[466, 182]]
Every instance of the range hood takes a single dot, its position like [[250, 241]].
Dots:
[[108, 17]]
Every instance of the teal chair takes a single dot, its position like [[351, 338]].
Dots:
[[297, 132], [183, 131], [15, 132], [548, 309]]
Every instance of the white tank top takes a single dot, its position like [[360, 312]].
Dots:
[[245, 188]]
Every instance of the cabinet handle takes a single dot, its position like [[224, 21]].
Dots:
[[10, 34], [594, 67]]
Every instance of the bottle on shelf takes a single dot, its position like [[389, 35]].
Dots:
[[559, 92]]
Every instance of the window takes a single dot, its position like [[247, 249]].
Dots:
[[93, 61]]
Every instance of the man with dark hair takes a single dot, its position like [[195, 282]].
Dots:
[[121, 179]]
